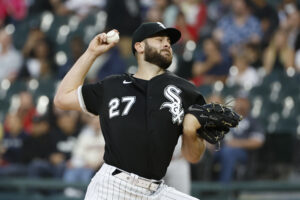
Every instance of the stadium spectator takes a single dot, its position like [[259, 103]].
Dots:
[[241, 73], [107, 64], [10, 58], [268, 18], [34, 35], [110, 63], [41, 64], [278, 55], [170, 11], [38, 149], [179, 173], [26, 110], [82, 166], [217, 9], [290, 21], [77, 47], [291, 24], [253, 53], [284, 8], [89, 145], [38, 56], [238, 28], [65, 136], [187, 34], [12, 147], [131, 13], [82, 8], [12, 10], [211, 64], [35, 7], [195, 14], [159, 11], [187, 31], [154, 14], [239, 142]]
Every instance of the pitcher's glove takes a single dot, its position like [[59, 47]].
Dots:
[[215, 120]]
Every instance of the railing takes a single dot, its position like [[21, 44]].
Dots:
[[36, 189], [50, 189], [232, 191]]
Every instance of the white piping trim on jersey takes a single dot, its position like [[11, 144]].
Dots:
[[81, 102]]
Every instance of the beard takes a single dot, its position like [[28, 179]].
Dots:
[[156, 58]]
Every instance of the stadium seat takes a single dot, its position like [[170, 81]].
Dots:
[[46, 87], [205, 90], [22, 30], [231, 90], [287, 126], [57, 23], [4, 105], [15, 88], [259, 91]]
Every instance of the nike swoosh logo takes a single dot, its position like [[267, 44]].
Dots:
[[127, 82]]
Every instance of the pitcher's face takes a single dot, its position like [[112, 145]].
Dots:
[[158, 51]]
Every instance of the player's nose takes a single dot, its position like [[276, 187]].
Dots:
[[167, 44]]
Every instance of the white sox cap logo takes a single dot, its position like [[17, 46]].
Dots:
[[171, 92], [160, 24]]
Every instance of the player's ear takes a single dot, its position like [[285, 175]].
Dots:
[[139, 47]]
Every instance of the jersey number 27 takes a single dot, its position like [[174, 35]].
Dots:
[[114, 106]]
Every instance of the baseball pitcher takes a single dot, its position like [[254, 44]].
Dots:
[[142, 116]]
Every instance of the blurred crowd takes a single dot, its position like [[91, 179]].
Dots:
[[224, 43]]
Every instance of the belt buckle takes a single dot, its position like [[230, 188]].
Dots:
[[153, 186], [136, 180]]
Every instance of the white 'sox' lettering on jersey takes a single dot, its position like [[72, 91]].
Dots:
[[171, 92]]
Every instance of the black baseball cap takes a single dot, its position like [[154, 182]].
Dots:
[[150, 29]]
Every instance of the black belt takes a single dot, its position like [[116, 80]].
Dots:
[[137, 180]]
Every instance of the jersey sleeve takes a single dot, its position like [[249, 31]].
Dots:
[[193, 96], [197, 97], [90, 97]]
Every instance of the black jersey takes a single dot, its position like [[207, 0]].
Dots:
[[141, 122]]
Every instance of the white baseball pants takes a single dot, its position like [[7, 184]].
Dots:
[[105, 186]]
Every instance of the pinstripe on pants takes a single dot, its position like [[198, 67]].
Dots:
[[105, 186]]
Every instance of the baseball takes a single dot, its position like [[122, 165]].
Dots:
[[112, 36]]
